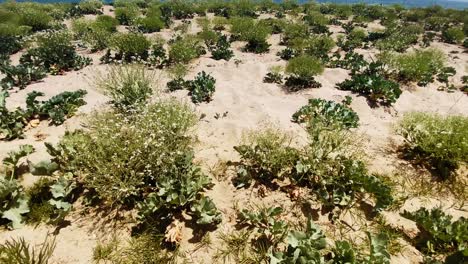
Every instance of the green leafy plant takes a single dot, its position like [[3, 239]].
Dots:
[[128, 86], [205, 211], [274, 75], [127, 14], [328, 113], [371, 83], [302, 70], [58, 108], [221, 50], [14, 202], [439, 234], [19, 76], [202, 87], [453, 35], [255, 33], [437, 142], [89, 6], [185, 49], [130, 47], [419, 66], [55, 52]]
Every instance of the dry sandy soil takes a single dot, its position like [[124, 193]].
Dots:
[[249, 104]]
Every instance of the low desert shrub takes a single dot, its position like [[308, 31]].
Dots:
[[318, 23], [326, 165], [185, 49], [19, 76], [397, 37], [202, 87], [302, 70], [130, 47], [440, 234], [419, 66], [327, 113], [221, 50], [11, 37], [127, 14], [316, 45], [140, 159], [35, 18], [90, 6], [94, 34], [254, 32], [371, 82], [274, 75], [453, 35], [128, 86], [354, 40], [149, 24], [55, 52], [57, 109], [439, 142]]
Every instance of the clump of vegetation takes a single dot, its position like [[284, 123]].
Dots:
[[271, 233], [302, 70], [185, 49], [127, 13], [441, 143], [57, 109], [95, 34], [20, 251], [55, 52], [419, 66], [328, 113], [151, 164], [274, 75], [453, 35], [128, 86], [89, 7], [371, 82], [152, 22], [327, 165], [14, 202], [201, 88], [439, 234], [11, 37], [221, 49], [396, 37], [130, 47], [19, 76], [254, 32]]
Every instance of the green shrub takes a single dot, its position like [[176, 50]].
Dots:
[[202, 88], [149, 24], [20, 251], [398, 37], [354, 39], [128, 86], [11, 38], [371, 83], [302, 70], [55, 52], [19, 76], [107, 22], [35, 18], [274, 75], [295, 31], [185, 49], [439, 142], [96, 35], [419, 66], [316, 45], [56, 109], [254, 32], [453, 35], [317, 22], [127, 14], [130, 46], [440, 233], [90, 6], [14, 202], [122, 156], [326, 166], [328, 113], [221, 50]]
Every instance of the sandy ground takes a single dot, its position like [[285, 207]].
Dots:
[[249, 104]]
